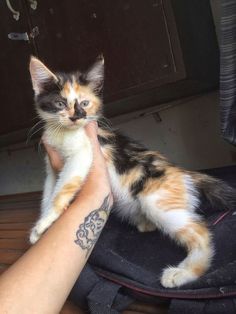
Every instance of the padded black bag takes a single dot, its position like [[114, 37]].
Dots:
[[126, 265]]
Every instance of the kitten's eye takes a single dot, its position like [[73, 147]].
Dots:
[[60, 104], [84, 103]]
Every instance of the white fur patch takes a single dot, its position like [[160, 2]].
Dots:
[[175, 277], [192, 194], [126, 207], [72, 95], [170, 221]]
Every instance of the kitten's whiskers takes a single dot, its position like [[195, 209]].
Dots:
[[32, 131]]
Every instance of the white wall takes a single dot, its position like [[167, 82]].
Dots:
[[21, 171], [188, 135]]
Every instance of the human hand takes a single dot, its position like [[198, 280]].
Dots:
[[98, 178]]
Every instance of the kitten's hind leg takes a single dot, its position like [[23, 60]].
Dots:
[[145, 225], [196, 238], [171, 207], [186, 229]]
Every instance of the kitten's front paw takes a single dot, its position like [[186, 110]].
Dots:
[[34, 235], [175, 277], [146, 226]]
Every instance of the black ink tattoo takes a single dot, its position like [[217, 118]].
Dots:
[[89, 231]]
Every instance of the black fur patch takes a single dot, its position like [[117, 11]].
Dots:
[[149, 172], [104, 140], [137, 186], [129, 154], [218, 193], [68, 77], [47, 101], [126, 153], [50, 86]]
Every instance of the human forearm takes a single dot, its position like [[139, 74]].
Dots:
[[47, 272]]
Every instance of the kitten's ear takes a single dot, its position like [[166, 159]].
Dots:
[[40, 75], [95, 75]]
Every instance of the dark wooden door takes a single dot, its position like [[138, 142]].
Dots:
[[141, 45], [70, 33], [16, 92], [148, 58], [138, 40]]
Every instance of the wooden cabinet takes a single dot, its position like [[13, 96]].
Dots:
[[155, 51], [141, 45], [134, 37], [16, 92], [70, 33]]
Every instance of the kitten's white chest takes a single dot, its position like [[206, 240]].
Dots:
[[70, 142]]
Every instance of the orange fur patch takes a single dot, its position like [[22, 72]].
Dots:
[[76, 87], [94, 108], [199, 269], [133, 175], [176, 191], [66, 89], [82, 92], [66, 194], [194, 235], [172, 187], [151, 186]]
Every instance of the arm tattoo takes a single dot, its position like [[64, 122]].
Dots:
[[89, 231]]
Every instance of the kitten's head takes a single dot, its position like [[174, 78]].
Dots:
[[67, 100]]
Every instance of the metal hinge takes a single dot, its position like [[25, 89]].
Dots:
[[24, 36]]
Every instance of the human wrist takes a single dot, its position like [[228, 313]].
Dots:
[[91, 199]]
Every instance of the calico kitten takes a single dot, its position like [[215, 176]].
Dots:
[[148, 190]]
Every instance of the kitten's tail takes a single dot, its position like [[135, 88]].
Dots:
[[216, 191]]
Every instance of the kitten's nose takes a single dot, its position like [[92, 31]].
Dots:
[[79, 111], [74, 118]]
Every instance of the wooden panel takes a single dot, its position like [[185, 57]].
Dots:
[[18, 244], [8, 257], [13, 234], [70, 33], [141, 45], [196, 31], [15, 93], [134, 36], [20, 201], [3, 268], [16, 216], [15, 225]]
